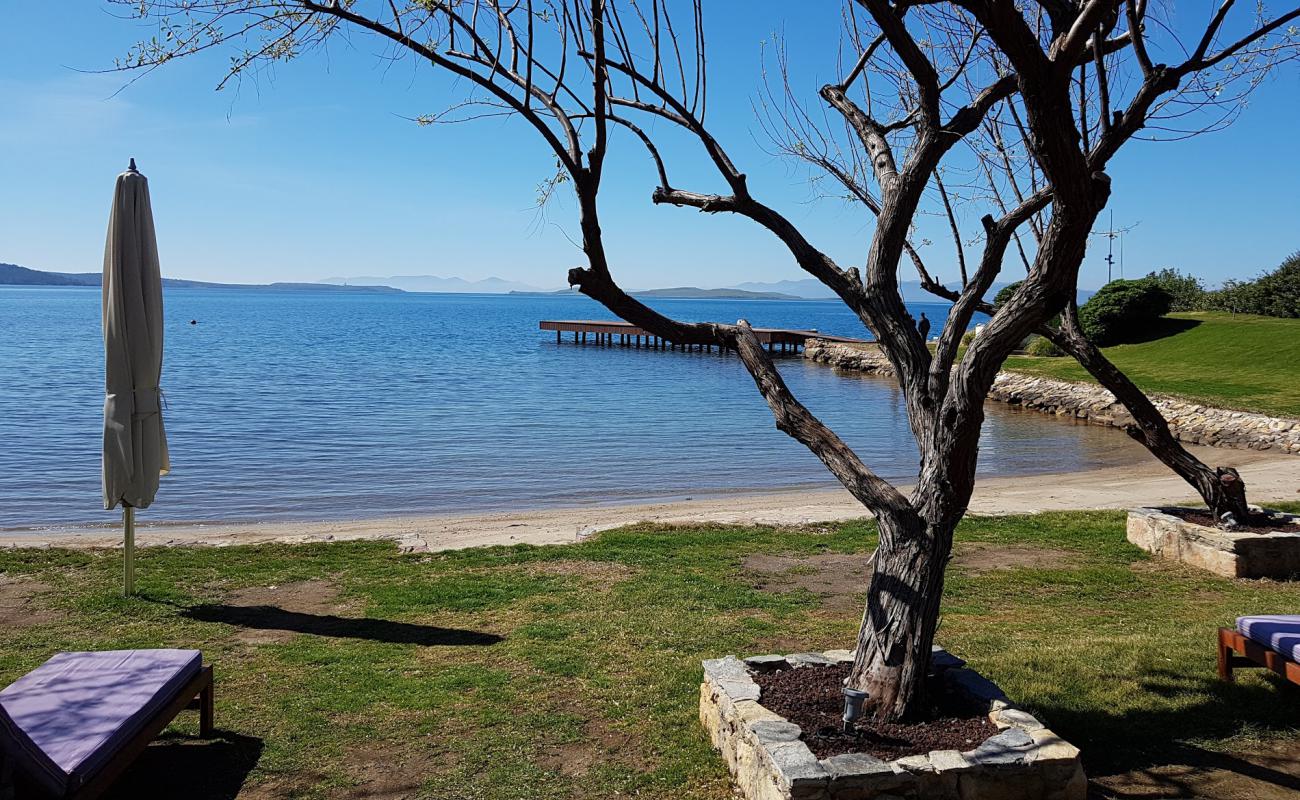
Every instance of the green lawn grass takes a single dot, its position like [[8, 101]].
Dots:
[[1241, 362], [592, 688]]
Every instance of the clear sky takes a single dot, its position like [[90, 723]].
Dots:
[[316, 171]]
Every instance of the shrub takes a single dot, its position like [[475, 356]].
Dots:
[[1043, 348], [1186, 292], [1275, 294], [1121, 309], [1004, 294]]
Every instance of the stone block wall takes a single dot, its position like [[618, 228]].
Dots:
[[769, 761], [1232, 554]]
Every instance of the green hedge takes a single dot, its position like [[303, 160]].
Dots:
[[1121, 310]]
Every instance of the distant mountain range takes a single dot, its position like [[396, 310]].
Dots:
[[813, 289], [687, 293], [692, 292], [14, 275], [805, 289], [435, 283]]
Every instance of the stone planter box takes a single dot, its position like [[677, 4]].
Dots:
[[1226, 553], [768, 760]]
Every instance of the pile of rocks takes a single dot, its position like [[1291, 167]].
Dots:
[[1189, 422], [769, 760], [862, 357]]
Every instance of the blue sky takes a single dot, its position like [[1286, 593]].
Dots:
[[316, 171]]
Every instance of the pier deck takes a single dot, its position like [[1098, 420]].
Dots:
[[625, 334]]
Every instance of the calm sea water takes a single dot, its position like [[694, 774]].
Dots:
[[287, 406]]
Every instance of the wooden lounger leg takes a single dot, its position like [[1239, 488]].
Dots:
[[206, 708], [1225, 658]]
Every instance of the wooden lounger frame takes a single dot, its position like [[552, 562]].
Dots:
[[1253, 654], [196, 694]]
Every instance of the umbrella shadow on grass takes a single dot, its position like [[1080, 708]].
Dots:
[[179, 766], [273, 618]]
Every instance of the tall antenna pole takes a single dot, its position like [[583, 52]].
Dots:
[[1111, 235], [1110, 253]]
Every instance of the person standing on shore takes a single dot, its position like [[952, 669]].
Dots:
[[923, 327]]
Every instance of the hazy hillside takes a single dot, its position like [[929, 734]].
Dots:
[[14, 275], [813, 289], [808, 288], [436, 283], [693, 292]]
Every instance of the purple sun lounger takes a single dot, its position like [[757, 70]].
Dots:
[[71, 726]]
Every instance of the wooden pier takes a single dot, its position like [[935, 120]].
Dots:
[[625, 334]]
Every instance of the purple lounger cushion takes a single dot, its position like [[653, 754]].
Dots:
[[1278, 632], [68, 717]]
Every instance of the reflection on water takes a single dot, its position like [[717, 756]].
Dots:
[[320, 406]]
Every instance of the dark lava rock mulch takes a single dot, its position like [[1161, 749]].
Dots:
[[810, 697], [1259, 523]]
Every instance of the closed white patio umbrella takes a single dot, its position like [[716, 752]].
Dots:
[[135, 445]]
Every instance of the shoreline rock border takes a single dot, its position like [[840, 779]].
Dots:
[[1190, 422], [769, 761]]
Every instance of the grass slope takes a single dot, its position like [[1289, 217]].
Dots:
[[398, 685], [1242, 362]]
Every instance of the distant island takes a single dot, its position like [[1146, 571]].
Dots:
[[14, 275], [686, 293]]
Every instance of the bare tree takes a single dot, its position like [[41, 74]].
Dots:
[[1001, 173], [1072, 82]]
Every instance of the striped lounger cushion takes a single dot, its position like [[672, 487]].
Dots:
[[1278, 632], [64, 720]]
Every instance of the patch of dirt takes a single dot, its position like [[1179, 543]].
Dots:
[[811, 698], [1259, 523], [604, 572], [384, 772], [839, 580], [977, 557], [281, 788], [18, 606], [315, 597], [600, 744], [1268, 773]]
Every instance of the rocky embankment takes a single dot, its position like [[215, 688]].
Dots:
[[1196, 424]]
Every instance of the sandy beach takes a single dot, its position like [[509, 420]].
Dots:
[[1269, 477]]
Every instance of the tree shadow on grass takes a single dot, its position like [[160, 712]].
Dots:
[[196, 769], [1142, 740], [377, 630], [1159, 329]]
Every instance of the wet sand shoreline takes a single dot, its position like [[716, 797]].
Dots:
[[1269, 477]]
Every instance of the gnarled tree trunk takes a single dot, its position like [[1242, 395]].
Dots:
[[902, 614]]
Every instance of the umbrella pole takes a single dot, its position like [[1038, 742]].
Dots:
[[128, 525]]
